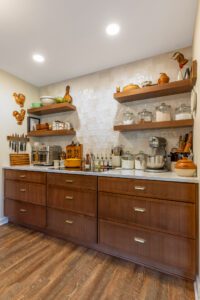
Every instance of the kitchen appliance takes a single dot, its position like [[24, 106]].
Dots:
[[157, 161], [127, 161], [45, 155]]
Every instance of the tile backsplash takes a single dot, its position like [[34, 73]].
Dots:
[[97, 111]]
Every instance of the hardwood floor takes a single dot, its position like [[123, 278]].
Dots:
[[36, 266]]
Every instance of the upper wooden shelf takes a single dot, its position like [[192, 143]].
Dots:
[[154, 125], [51, 109], [43, 133], [171, 88]]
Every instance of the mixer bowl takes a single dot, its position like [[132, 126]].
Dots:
[[155, 161]]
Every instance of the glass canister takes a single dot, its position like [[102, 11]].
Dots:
[[145, 116], [127, 161], [163, 113], [140, 161], [183, 112], [128, 118]]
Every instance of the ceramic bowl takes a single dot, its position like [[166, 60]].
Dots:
[[36, 104], [47, 100]]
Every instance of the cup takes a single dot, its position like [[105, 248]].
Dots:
[[56, 163], [62, 163]]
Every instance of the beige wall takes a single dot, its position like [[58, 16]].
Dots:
[[97, 111], [8, 85], [196, 55]]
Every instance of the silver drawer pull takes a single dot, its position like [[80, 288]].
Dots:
[[69, 222], [22, 176], [139, 188], [69, 181], [69, 198], [139, 240], [23, 211], [22, 190], [139, 209]]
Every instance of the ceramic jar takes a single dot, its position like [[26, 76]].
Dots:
[[185, 167]]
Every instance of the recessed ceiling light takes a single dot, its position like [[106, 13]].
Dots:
[[38, 58], [112, 29]]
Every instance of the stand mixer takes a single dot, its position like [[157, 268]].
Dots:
[[157, 161]]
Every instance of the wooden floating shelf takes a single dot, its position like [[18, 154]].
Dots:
[[154, 125], [159, 90], [51, 109], [43, 133]]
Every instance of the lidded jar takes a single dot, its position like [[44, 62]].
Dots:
[[127, 161], [145, 116], [128, 117], [163, 113], [183, 112], [140, 161]]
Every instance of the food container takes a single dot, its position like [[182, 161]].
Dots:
[[155, 162], [140, 161], [127, 161], [183, 112], [128, 118], [73, 163], [47, 100], [116, 161], [185, 167], [130, 87], [163, 113], [145, 116]]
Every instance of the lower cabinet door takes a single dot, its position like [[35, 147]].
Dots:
[[25, 213], [75, 226], [165, 252]]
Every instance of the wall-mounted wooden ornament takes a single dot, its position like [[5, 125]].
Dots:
[[19, 116], [19, 99]]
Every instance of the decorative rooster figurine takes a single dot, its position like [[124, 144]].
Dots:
[[67, 97], [19, 99], [19, 116], [182, 61]]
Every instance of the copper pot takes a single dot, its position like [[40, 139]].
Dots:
[[163, 78], [185, 167]]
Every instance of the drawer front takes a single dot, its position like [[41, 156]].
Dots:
[[37, 177], [25, 213], [75, 181], [149, 188], [168, 216], [163, 251], [71, 225], [24, 191], [84, 202]]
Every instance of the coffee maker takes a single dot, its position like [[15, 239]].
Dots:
[[43, 155], [156, 162]]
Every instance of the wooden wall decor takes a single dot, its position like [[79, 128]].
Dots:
[[19, 116], [19, 99]]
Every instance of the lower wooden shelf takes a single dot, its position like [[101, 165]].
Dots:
[[42, 133], [154, 125]]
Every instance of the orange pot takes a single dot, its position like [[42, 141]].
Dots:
[[163, 78]]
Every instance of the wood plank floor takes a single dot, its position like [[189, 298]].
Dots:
[[36, 266]]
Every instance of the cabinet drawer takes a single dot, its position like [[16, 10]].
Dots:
[[38, 177], [24, 191], [25, 213], [84, 202], [165, 252], [71, 225], [168, 216], [75, 181], [149, 188]]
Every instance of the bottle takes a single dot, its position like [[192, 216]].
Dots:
[[92, 160], [96, 163], [110, 162], [87, 162], [101, 164], [83, 164], [105, 163]]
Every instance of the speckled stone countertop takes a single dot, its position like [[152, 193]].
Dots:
[[134, 174]]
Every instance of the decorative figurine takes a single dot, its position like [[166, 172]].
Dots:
[[164, 78], [19, 99], [19, 116], [67, 97], [182, 61]]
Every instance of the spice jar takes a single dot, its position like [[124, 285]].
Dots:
[[128, 118], [163, 113], [145, 116], [183, 112]]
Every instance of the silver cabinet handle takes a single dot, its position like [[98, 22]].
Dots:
[[139, 240], [22, 190], [22, 176], [69, 197], [69, 222], [69, 181], [139, 188], [23, 211], [139, 209]]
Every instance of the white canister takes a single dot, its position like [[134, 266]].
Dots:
[[127, 161], [116, 161]]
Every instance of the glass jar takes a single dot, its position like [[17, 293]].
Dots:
[[140, 161], [128, 118], [145, 116], [163, 113], [127, 161], [183, 112]]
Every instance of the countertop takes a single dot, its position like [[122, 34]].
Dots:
[[134, 174]]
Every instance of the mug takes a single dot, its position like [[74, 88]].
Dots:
[[56, 163]]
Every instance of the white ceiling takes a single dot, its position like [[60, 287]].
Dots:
[[71, 34]]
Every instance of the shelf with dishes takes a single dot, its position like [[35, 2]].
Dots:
[[164, 87], [51, 109]]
